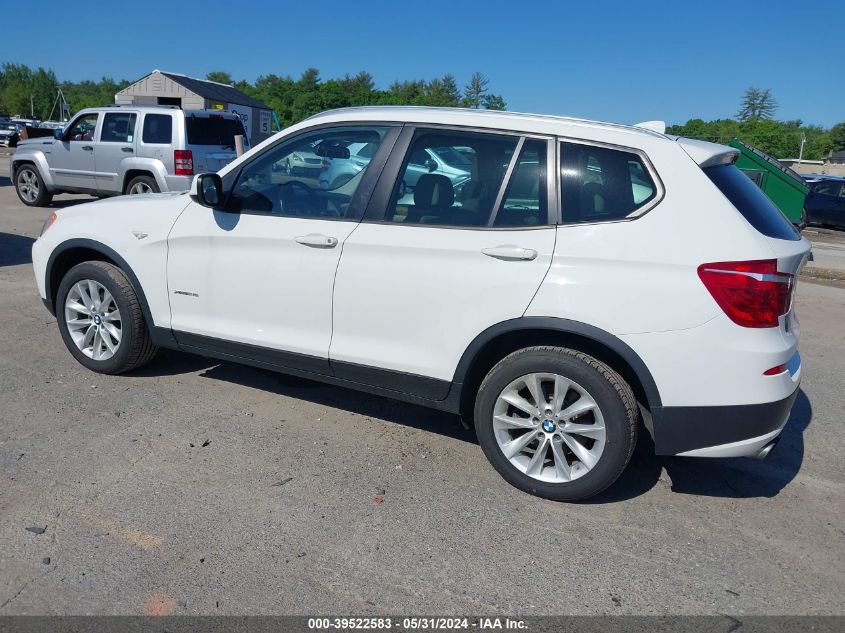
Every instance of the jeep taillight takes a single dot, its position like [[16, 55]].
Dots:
[[183, 161], [751, 293]]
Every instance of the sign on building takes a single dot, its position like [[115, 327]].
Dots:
[[244, 112]]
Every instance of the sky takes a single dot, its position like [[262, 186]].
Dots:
[[611, 60]]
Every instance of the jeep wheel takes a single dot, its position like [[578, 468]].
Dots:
[[556, 422], [30, 187], [100, 319], [141, 184]]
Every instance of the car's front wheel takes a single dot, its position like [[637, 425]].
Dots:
[[556, 422], [30, 187], [100, 319]]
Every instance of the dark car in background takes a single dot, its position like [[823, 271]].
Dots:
[[825, 204]]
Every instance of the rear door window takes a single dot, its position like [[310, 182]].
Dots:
[[754, 205], [118, 127], [525, 201], [600, 184], [213, 130]]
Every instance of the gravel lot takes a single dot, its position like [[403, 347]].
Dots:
[[195, 487]]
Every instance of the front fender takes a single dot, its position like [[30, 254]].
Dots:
[[38, 159]]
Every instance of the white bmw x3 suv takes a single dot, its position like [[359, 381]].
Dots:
[[584, 280]]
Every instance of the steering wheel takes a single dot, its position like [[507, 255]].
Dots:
[[313, 207]]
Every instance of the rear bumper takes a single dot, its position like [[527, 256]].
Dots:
[[721, 431], [177, 183]]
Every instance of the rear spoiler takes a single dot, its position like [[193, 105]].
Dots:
[[708, 154]]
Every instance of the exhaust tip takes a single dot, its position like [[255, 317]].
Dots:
[[764, 452]]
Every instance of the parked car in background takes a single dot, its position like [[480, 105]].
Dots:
[[825, 204], [591, 280], [10, 133], [124, 150], [446, 161]]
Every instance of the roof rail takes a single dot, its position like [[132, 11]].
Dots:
[[139, 105]]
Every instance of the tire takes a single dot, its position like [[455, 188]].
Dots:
[[140, 184], [588, 380], [30, 187], [134, 346]]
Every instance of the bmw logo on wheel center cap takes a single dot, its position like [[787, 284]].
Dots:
[[97, 319], [548, 426]]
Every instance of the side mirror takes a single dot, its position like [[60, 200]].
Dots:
[[57, 133], [430, 165], [207, 190]]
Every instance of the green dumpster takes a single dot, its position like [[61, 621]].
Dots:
[[784, 186]]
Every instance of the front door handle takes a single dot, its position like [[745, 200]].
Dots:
[[510, 253], [126, 149], [88, 148], [315, 240]]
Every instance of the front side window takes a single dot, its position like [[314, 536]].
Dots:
[[828, 188], [158, 129], [600, 184], [313, 175], [451, 178], [118, 127], [83, 128]]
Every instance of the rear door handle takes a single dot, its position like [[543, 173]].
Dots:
[[88, 148], [126, 149], [510, 253], [315, 240]]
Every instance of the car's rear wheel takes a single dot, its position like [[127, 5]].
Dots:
[[100, 319], [556, 422], [30, 187], [141, 184]]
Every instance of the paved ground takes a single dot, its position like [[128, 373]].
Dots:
[[207, 488]]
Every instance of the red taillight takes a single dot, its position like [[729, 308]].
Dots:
[[752, 294], [183, 161], [774, 371]]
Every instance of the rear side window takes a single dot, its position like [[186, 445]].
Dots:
[[600, 184], [158, 128], [751, 202], [213, 131]]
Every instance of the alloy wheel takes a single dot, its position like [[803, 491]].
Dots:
[[28, 185], [93, 319], [140, 187], [549, 427]]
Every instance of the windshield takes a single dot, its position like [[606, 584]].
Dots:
[[213, 131]]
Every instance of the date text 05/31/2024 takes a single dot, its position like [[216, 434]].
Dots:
[[413, 624]]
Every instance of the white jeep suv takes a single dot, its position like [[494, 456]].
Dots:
[[585, 280]]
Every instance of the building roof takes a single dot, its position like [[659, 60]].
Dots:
[[214, 90], [837, 155]]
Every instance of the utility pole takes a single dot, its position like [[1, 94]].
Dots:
[[31, 107], [801, 151]]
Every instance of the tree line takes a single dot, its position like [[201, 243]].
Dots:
[[24, 90], [755, 124]]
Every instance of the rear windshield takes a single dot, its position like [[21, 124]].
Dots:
[[751, 202], [213, 131]]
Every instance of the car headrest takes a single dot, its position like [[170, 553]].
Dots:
[[434, 191]]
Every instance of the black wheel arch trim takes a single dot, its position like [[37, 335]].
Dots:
[[565, 326], [161, 336]]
